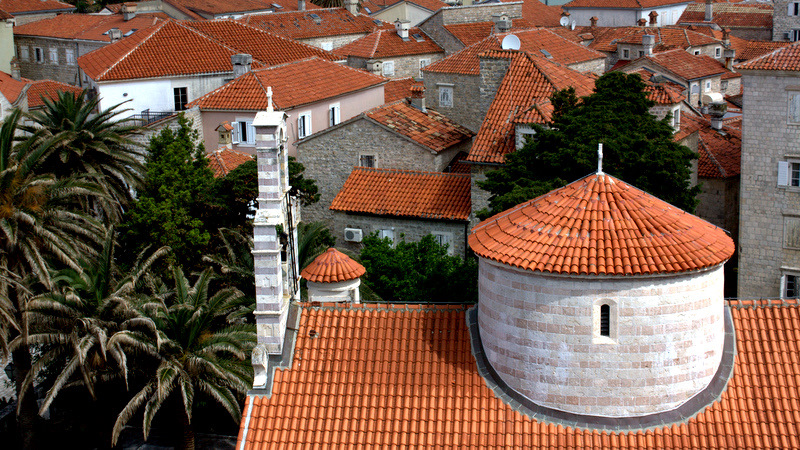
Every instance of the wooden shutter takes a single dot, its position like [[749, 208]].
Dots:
[[235, 132], [783, 173]]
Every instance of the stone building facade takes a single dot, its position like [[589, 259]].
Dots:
[[402, 66], [451, 15], [785, 20], [52, 58]]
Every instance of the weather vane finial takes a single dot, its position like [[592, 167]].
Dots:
[[599, 158]]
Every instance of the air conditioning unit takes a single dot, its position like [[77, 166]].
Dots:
[[353, 234]]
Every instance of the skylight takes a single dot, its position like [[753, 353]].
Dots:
[[418, 37], [277, 6], [130, 32], [316, 18], [546, 54]]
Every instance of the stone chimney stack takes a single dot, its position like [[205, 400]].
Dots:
[[418, 98], [301, 5], [642, 22], [709, 11], [730, 55], [351, 6], [653, 18], [274, 277], [128, 11], [114, 35], [726, 37], [593, 21], [648, 42], [241, 63], [502, 23], [15, 73], [402, 27]]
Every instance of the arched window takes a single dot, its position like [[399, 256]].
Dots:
[[605, 320]]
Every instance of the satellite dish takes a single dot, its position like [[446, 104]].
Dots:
[[564, 21], [510, 42]]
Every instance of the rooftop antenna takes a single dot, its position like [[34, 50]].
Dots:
[[600, 158], [269, 99]]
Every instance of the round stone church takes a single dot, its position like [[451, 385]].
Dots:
[[599, 299]]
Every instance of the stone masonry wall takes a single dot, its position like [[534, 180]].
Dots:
[[335, 41], [47, 69], [434, 25], [541, 334], [466, 109], [767, 138], [718, 203], [330, 157], [404, 66], [782, 22], [410, 229], [492, 72], [595, 66], [480, 197]]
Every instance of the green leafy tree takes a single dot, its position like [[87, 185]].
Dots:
[[313, 238], [97, 145], [303, 188], [176, 205], [418, 271], [199, 351], [637, 148], [236, 194]]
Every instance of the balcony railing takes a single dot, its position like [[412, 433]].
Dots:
[[148, 117]]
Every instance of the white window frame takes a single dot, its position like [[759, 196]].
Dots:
[[443, 93], [388, 68], [69, 56], [794, 9], [794, 35], [697, 53], [24, 53], [793, 108], [304, 125], [694, 88], [176, 105], [368, 155], [786, 282], [717, 52], [444, 238], [244, 132], [423, 63], [38, 55], [626, 53], [789, 173], [53, 55], [334, 114], [708, 86], [676, 118], [386, 233], [326, 45]]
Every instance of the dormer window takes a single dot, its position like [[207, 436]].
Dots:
[[626, 53]]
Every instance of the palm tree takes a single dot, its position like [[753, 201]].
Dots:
[[90, 320], [36, 228], [200, 350], [96, 144]]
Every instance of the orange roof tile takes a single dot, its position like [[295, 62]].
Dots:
[[471, 33], [660, 91], [34, 6], [332, 266], [210, 8], [293, 84], [541, 15], [223, 160], [387, 43], [399, 88], [563, 51], [666, 38], [785, 58], [5, 15], [523, 97], [182, 48], [430, 129], [754, 49], [731, 15], [600, 225], [405, 193], [11, 88], [302, 24], [685, 65], [376, 5], [720, 152], [404, 376], [48, 89], [616, 4], [88, 27]]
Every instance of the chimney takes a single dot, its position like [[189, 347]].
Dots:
[[648, 42], [418, 98], [642, 22], [15, 68], [241, 64], [593, 21], [301, 5], [128, 11], [709, 11], [726, 37], [729, 54], [653, 18], [402, 27], [502, 23], [114, 34], [275, 268], [351, 6]]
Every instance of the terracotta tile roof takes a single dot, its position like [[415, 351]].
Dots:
[[332, 266], [223, 160], [754, 49], [48, 89], [209, 8], [405, 193], [377, 5], [17, 7], [666, 38], [303, 25], [720, 154], [660, 91], [404, 376], [785, 58], [293, 84], [387, 43], [600, 225], [183, 48], [541, 15], [459, 164], [430, 129], [686, 65], [11, 88], [563, 51], [5, 16], [523, 97], [731, 15], [83, 26], [398, 88], [471, 33], [627, 4]]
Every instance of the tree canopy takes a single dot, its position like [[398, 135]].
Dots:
[[637, 148]]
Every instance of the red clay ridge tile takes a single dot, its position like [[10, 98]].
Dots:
[[31, 6], [430, 129], [386, 43], [731, 15], [48, 89], [578, 228], [332, 266], [685, 65], [471, 33], [637, 4], [301, 24], [785, 58], [223, 160], [405, 193]]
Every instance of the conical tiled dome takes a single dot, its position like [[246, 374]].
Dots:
[[332, 266], [600, 225]]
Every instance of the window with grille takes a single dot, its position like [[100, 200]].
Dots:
[[605, 320], [181, 98], [366, 161], [790, 288]]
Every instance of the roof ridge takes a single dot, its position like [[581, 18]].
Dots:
[[282, 37], [711, 156], [411, 171], [767, 54], [156, 29], [220, 43], [220, 89]]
